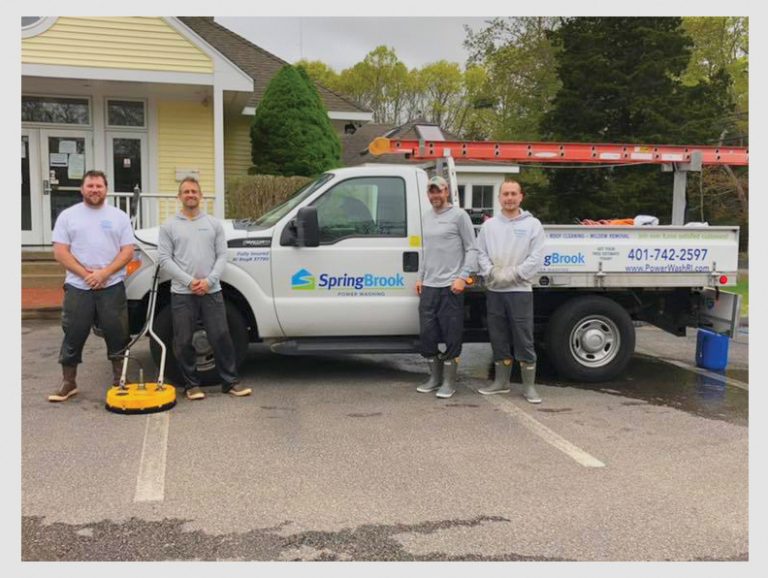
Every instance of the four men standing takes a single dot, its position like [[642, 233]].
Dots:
[[94, 242]]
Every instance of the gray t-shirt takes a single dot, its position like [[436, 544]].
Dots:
[[192, 249], [449, 247]]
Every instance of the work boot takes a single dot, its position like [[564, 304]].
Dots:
[[435, 375], [195, 393], [528, 373], [237, 390], [117, 371], [503, 370], [450, 367], [68, 386]]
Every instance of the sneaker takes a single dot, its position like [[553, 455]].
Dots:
[[239, 391], [195, 393]]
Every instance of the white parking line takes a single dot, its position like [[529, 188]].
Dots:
[[150, 484], [699, 370], [553, 439]]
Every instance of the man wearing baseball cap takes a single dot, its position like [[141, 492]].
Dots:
[[449, 258]]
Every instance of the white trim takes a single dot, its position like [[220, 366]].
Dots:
[[339, 115], [218, 152], [38, 27], [153, 150], [332, 114], [120, 74]]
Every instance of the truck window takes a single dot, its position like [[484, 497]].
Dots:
[[362, 207]]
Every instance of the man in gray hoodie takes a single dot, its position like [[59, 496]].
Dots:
[[510, 251], [192, 249], [449, 258]]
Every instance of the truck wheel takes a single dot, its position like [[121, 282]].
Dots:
[[206, 364], [590, 339]]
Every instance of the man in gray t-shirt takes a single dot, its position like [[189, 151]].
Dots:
[[449, 259]]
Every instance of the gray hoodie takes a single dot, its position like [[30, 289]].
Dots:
[[510, 251]]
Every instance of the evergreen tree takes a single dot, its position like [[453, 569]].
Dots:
[[622, 82], [291, 134]]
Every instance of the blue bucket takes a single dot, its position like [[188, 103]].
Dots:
[[711, 350]]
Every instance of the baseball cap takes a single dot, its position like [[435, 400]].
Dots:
[[437, 181]]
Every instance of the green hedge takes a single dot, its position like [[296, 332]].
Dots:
[[253, 195]]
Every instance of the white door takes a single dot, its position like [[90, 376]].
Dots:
[[31, 188], [65, 156], [127, 167], [361, 279]]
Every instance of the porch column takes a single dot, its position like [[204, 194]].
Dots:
[[218, 150]]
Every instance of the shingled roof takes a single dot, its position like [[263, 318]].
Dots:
[[257, 62], [355, 146]]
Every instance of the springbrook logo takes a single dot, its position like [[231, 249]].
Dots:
[[303, 280]]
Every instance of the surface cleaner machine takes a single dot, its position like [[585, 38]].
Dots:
[[142, 397]]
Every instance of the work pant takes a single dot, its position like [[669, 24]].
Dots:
[[185, 311], [80, 310], [510, 322], [441, 319]]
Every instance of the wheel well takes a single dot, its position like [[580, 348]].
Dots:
[[240, 302]]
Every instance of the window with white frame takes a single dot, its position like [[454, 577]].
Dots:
[[124, 113], [482, 197], [56, 110]]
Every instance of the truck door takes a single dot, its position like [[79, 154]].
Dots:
[[361, 279]]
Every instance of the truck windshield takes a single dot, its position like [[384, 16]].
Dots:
[[271, 217]]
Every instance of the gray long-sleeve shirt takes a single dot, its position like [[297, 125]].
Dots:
[[449, 247], [191, 249]]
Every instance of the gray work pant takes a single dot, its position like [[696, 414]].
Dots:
[[185, 311], [510, 323], [79, 311], [441, 319]]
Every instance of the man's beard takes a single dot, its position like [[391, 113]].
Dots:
[[90, 203]]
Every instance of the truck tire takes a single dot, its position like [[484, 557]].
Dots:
[[590, 339], [206, 365]]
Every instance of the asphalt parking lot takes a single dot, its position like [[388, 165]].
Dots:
[[339, 458]]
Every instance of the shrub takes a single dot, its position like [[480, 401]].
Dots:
[[253, 195]]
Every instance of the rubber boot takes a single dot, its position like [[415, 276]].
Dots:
[[528, 373], [435, 375], [117, 371], [503, 370], [68, 385], [450, 367]]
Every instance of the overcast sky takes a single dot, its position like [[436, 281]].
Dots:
[[343, 42]]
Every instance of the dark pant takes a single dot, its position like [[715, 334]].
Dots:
[[186, 310], [79, 311], [441, 319], [510, 321]]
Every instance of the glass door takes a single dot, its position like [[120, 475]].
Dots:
[[66, 155], [127, 168], [31, 188]]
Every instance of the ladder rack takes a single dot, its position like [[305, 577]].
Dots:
[[540, 152]]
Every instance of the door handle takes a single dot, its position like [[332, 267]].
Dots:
[[410, 261]]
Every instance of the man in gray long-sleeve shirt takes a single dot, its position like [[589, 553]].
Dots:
[[192, 249], [449, 259]]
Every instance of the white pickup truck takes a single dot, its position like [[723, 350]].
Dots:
[[334, 269]]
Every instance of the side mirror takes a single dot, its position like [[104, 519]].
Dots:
[[307, 227]]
